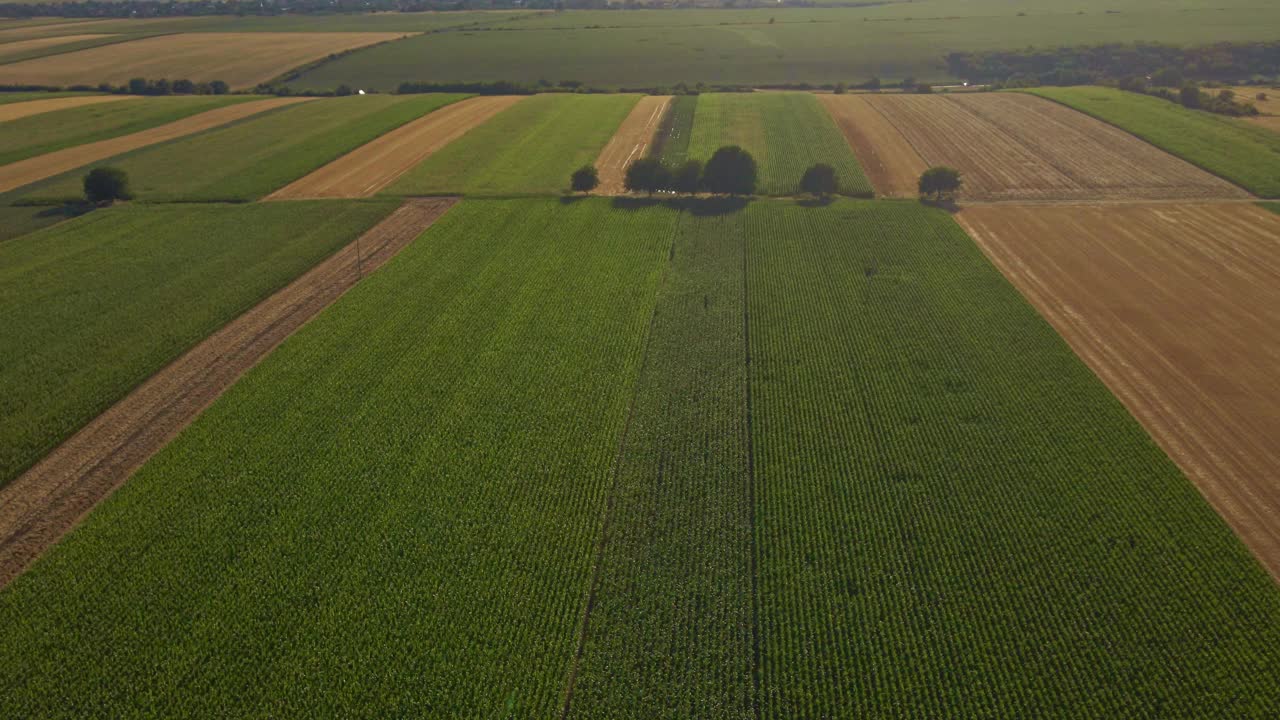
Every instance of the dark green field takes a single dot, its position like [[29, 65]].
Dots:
[[637, 461], [94, 306]]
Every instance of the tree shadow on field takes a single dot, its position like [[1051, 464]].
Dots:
[[816, 202], [697, 206], [948, 204]]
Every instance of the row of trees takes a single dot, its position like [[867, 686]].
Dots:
[[1189, 95]]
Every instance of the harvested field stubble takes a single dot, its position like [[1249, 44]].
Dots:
[[891, 164], [13, 111], [371, 167], [41, 167], [630, 142], [239, 59], [1177, 309], [9, 50], [1015, 147]]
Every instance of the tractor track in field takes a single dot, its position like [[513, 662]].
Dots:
[[47, 501]]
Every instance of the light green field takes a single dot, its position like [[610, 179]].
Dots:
[[1233, 149], [251, 158], [530, 148], [94, 306], [39, 134], [659, 48], [785, 132]]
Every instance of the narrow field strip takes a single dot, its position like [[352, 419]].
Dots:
[[47, 501], [20, 47], [14, 111], [1175, 307], [892, 165], [41, 167], [370, 168], [632, 141], [239, 59]]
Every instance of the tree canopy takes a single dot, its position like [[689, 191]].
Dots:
[[730, 171], [940, 183], [820, 180], [584, 179], [106, 184]]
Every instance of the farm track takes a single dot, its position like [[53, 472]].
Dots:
[[891, 163], [14, 111], [1017, 147], [375, 165], [1176, 309], [51, 498], [631, 141], [41, 167]]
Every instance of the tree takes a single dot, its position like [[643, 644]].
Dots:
[[731, 171], [137, 86], [183, 87], [584, 179], [647, 175], [687, 178], [344, 90], [820, 180], [219, 88], [939, 183], [840, 89], [1189, 96], [104, 185]]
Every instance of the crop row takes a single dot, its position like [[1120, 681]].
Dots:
[[672, 143]]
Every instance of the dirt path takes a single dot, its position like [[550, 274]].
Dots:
[[1177, 309], [634, 136], [25, 172], [375, 165], [51, 498], [13, 111], [891, 164]]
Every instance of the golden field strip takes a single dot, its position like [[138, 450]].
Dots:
[[377, 164], [891, 164], [630, 142], [25, 172], [242, 60], [13, 111], [18, 47], [1014, 147], [1177, 309]]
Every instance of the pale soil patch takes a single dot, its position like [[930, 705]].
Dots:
[[242, 60], [373, 166], [13, 111], [891, 164], [51, 498], [1177, 309], [22, 46], [25, 172], [1270, 108], [631, 141], [1011, 146]]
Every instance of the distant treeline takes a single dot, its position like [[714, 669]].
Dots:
[[136, 86], [1111, 64]]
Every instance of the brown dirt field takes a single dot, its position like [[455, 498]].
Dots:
[[13, 111], [375, 165], [632, 139], [242, 60], [1011, 146], [891, 164], [22, 46], [1177, 309], [51, 498], [25, 172]]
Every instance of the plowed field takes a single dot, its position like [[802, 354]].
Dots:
[[632, 140], [1015, 147], [377, 164], [891, 164], [25, 172], [239, 59], [13, 111], [1177, 309]]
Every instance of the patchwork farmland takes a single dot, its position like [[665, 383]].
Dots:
[[344, 391]]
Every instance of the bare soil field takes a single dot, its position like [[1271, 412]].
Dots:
[[25, 172], [242, 60], [47, 501], [1177, 309], [13, 111], [1017, 147], [373, 166], [632, 139], [22, 46], [892, 165]]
